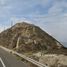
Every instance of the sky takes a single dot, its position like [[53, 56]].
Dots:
[[50, 15]]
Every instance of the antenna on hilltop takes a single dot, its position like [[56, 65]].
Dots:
[[11, 23], [4, 27]]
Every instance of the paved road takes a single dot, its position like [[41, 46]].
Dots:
[[10, 60], [1, 64]]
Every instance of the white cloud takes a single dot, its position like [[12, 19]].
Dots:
[[55, 22], [55, 25], [57, 7], [2, 2]]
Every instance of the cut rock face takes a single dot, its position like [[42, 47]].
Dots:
[[28, 37]]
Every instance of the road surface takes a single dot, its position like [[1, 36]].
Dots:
[[1, 64], [9, 60]]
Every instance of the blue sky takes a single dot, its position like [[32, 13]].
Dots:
[[50, 15]]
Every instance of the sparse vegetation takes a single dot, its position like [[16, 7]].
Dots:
[[32, 40]]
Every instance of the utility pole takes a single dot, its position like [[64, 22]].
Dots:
[[11, 23], [4, 27]]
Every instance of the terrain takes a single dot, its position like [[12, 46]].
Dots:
[[32, 41], [32, 38]]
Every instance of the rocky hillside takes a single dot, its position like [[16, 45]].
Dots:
[[28, 37]]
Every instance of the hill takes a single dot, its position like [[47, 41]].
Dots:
[[26, 37]]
